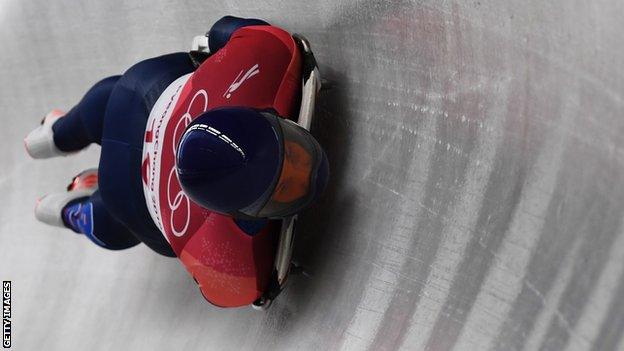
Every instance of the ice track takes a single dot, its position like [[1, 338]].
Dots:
[[476, 201]]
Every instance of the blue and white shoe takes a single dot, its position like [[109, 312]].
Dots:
[[53, 209]]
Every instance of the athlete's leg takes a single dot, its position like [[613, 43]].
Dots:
[[81, 209], [83, 124], [125, 121], [90, 217]]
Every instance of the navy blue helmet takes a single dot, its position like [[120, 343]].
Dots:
[[250, 164]]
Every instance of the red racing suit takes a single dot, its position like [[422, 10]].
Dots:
[[259, 67]]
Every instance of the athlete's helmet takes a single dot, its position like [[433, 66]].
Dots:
[[246, 163]]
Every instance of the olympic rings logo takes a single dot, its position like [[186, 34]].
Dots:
[[176, 201]]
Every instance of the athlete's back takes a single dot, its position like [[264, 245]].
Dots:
[[259, 67]]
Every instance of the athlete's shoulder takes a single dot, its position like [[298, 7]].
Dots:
[[231, 29], [264, 34]]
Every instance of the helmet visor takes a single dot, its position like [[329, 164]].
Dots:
[[296, 186]]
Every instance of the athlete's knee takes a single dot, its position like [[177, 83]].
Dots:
[[223, 29]]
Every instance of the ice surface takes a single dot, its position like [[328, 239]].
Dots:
[[476, 200]]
